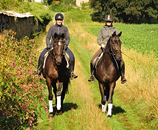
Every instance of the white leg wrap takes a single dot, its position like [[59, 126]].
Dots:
[[110, 109], [104, 106], [50, 106], [58, 102]]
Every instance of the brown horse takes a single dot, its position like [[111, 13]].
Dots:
[[55, 72], [108, 71]]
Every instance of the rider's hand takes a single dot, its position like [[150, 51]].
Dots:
[[103, 46]]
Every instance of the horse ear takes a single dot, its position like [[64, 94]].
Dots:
[[120, 34], [62, 35], [114, 34]]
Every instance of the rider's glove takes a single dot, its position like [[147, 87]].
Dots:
[[103, 46]]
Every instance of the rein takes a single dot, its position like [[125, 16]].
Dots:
[[113, 53]]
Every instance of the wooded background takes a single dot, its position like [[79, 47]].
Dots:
[[128, 11]]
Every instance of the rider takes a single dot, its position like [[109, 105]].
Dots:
[[58, 28], [103, 37]]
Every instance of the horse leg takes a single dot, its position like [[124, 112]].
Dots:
[[103, 97], [65, 88], [58, 93], [110, 100], [55, 90], [50, 97]]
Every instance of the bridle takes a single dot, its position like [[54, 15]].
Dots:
[[113, 52], [59, 43]]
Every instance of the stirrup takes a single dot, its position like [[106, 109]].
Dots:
[[38, 72], [123, 80], [92, 78], [73, 76]]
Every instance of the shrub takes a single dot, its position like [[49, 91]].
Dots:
[[8, 4], [36, 9], [21, 93]]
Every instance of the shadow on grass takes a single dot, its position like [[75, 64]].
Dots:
[[66, 107], [116, 109], [69, 106]]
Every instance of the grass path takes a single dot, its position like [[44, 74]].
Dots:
[[82, 104]]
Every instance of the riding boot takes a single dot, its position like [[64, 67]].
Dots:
[[73, 76], [123, 78], [72, 63], [40, 62], [92, 78]]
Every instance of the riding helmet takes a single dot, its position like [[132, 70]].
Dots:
[[109, 17], [59, 16]]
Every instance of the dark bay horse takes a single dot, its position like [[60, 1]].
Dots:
[[108, 71], [56, 73]]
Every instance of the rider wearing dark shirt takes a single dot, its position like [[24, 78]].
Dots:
[[58, 28]]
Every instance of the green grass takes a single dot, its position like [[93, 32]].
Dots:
[[140, 37], [78, 16]]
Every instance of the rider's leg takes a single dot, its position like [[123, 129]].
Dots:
[[40, 61], [92, 78], [123, 78], [72, 64]]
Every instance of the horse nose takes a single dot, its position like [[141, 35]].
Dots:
[[118, 57]]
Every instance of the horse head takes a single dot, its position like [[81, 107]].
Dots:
[[115, 44], [58, 47]]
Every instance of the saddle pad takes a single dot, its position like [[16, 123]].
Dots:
[[96, 60], [45, 57]]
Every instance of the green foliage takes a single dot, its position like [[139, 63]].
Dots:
[[68, 2], [35, 8], [39, 11], [60, 6], [85, 6], [133, 11], [20, 90], [8, 4]]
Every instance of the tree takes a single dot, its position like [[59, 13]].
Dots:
[[133, 11]]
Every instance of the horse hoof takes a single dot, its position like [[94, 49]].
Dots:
[[109, 116], [50, 115], [103, 111], [59, 112]]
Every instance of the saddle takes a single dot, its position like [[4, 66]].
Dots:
[[96, 60]]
